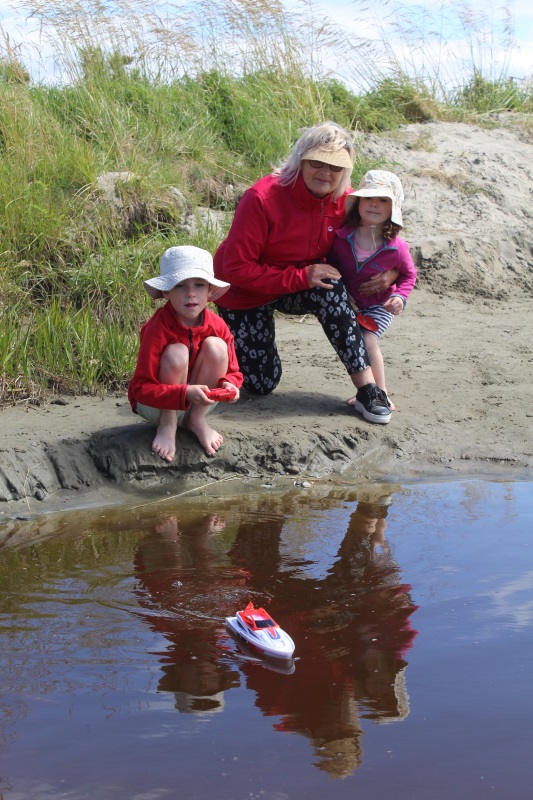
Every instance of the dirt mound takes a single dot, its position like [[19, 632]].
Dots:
[[468, 210]]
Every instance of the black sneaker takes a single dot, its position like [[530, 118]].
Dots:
[[373, 404]]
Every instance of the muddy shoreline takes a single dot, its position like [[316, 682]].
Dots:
[[56, 454]]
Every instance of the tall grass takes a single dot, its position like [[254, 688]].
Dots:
[[203, 98], [64, 348]]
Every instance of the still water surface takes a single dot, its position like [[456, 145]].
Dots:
[[411, 609]]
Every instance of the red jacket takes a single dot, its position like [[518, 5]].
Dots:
[[276, 232], [163, 329]]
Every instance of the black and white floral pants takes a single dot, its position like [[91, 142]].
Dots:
[[255, 335]]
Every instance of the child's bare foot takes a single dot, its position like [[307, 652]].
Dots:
[[207, 436], [164, 444], [351, 402]]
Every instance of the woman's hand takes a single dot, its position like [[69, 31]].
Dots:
[[320, 274], [379, 282]]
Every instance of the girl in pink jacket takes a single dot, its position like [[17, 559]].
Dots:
[[367, 244]]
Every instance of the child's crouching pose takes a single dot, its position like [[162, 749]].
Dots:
[[185, 350], [367, 244]]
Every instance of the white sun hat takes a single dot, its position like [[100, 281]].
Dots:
[[181, 263], [380, 183]]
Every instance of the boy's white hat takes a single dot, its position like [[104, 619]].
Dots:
[[380, 183], [183, 262]]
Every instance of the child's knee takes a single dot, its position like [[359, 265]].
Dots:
[[371, 341], [174, 359], [215, 350]]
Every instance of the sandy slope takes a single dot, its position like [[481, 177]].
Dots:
[[460, 359]]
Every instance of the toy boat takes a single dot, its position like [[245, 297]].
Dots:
[[222, 395], [285, 666], [257, 628]]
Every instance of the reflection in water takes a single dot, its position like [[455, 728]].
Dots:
[[177, 565], [114, 626], [351, 626], [512, 601]]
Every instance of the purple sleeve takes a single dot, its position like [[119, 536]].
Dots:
[[407, 277]]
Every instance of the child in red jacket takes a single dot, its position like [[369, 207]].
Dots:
[[185, 351]]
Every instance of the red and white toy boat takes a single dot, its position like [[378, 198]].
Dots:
[[257, 628]]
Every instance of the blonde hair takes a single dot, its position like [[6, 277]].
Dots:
[[327, 136]]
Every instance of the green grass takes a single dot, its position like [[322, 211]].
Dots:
[[205, 102]]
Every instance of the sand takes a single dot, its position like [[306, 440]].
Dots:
[[459, 360]]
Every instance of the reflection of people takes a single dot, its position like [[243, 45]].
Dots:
[[351, 624], [185, 350], [352, 629], [274, 258], [367, 244], [369, 519], [176, 583]]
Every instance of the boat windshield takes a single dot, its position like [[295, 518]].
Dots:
[[263, 623]]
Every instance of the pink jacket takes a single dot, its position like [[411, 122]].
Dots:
[[392, 255]]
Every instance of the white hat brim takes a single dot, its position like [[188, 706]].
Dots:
[[396, 214], [164, 283]]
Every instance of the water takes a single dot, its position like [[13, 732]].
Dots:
[[411, 609]]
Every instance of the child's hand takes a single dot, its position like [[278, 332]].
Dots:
[[195, 394], [233, 388], [394, 305]]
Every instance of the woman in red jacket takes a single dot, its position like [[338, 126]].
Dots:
[[274, 259]]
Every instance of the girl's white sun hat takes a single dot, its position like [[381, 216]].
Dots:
[[181, 263], [380, 183]]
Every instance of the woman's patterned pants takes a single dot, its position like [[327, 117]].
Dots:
[[255, 335]]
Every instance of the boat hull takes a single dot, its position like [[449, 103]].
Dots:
[[280, 647]]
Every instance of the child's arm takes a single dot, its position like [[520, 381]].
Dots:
[[233, 378], [145, 386], [405, 282]]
